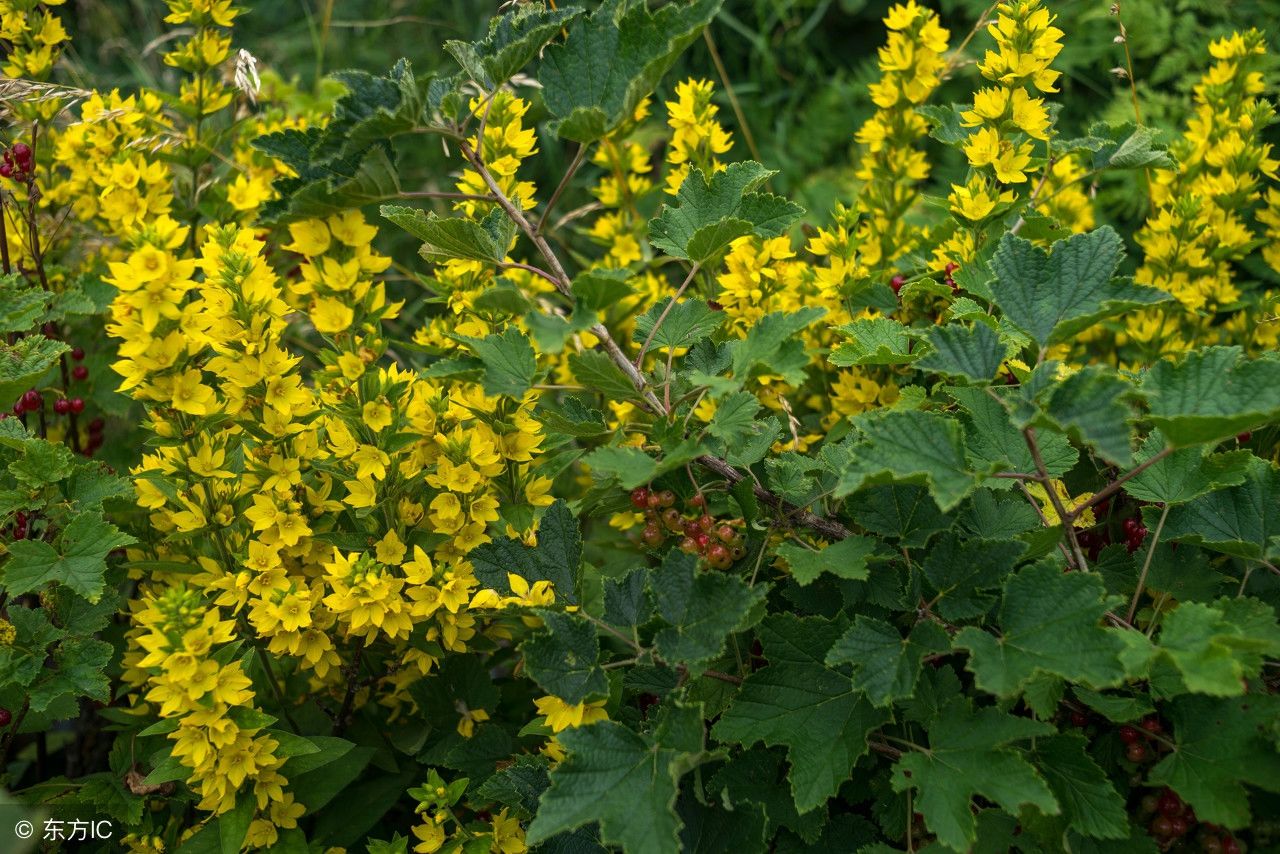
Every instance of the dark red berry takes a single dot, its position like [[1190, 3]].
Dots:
[[1244, 437], [1129, 735], [6, 170], [698, 500], [5, 717], [79, 372], [62, 406], [951, 267], [96, 425], [77, 405], [706, 523], [1211, 845], [702, 540], [1079, 719], [1178, 825], [1149, 803], [652, 536], [1152, 724], [1230, 846], [31, 400], [1170, 804], [1162, 826], [653, 501], [22, 154], [19, 407], [1135, 752], [77, 353], [897, 282], [640, 498]]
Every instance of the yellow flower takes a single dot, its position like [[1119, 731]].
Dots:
[[561, 715], [377, 415], [331, 316], [310, 237], [189, 395], [390, 550]]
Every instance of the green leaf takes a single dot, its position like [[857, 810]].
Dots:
[[1216, 647], [974, 352], [904, 512], [625, 781], [564, 660], [78, 560], [962, 573], [886, 665], [911, 446], [1089, 800], [872, 341], [769, 342], [701, 609], [735, 417], [513, 40], [557, 557], [1220, 745], [1050, 623], [22, 660], [710, 213], [611, 61], [685, 324], [1090, 404], [1185, 474], [1127, 146], [626, 599], [1211, 394], [26, 361], [509, 361], [633, 467], [445, 237], [596, 371], [601, 289], [1239, 520], [78, 669], [21, 306], [969, 755], [845, 558], [994, 443], [800, 702], [1054, 296]]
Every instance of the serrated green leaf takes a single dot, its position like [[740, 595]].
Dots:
[[886, 665], [21, 306], [735, 417], [964, 573], [685, 324], [1216, 647], [1221, 745], [993, 442], [1185, 474], [974, 352], [509, 361], [911, 446], [1127, 146], [1089, 800], [1211, 394], [22, 660], [1053, 296], [556, 558], [701, 609], [445, 237], [1090, 404], [77, 559], [611, 60], [513, 40], [903, 511], [766, 343], [800, 702], [872, 341], [845, 559], [633, 467], [600, 289], [1239, 520], [596, 371], [712, 212], [1049, 622], [564, 660], [969, 755], [624, 781], [25, 361], [78, 670]]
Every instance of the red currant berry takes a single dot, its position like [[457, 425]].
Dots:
[[666, 498], [652, 536], [689, 546], [22, 154], [79, 373], [96, 425], [78, 354], [1079, 719], [672, 519], [1170, 804], [1178, 825], [951, 267], [1161, 826], [737, 552], [706, 523], [77, 405], [1244, 437], [698, 500], [6, 170], [897, 282], [726, 534], [1135, 752], [31, 400], [640, 498], [1149, 803], [703, 541], [6, 717], [1129, 735], [1230, 845], [653, 501], [62, 406], [1211, 845], [1152, 725]]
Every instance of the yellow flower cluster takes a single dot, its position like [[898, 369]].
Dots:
[[891, 165], [1009, 117], [35, 35], [697, 139], [1200, 225], [506, 144], [620, 228]]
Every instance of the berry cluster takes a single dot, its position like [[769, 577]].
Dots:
[[1135, 738], [1173, 820], [949, 279], [20, 529], [32, 400], [1134, 533], [17, 163], [719, 541]]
